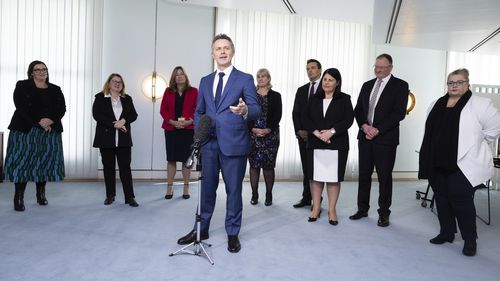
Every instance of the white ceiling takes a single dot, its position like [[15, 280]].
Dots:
[[455, 25]]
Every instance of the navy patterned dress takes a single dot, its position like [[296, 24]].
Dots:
[[264, 149]]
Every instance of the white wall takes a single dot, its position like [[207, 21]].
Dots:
[[184, 38], [425, 72]]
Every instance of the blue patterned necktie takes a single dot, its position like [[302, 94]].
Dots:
[[218, 91]]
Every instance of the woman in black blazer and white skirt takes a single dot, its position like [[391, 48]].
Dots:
[[114, 111], [329, 114]]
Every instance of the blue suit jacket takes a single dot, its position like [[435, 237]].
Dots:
[[230, 130]]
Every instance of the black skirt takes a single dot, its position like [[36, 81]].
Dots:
[[178, 144]]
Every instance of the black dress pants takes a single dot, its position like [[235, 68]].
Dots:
[[123, 157], [382, 158], [454, 197], [306, 193]]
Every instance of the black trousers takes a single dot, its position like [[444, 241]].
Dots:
[[306, 193], [123, 157], [454, 197], [382, 158]]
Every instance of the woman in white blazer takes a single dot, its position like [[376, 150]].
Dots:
[[455, 156]]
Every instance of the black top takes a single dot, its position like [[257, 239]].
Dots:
[[102, 111], [274, 111], [439, 147], [339, 116], [32, 105], [179, 103]]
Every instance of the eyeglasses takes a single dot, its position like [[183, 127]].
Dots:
[[381, 66], [456, 83], [116, 82], [40, 70]]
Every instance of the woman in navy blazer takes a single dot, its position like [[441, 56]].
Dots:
[[177, 109], [328, 116], [114, 111]]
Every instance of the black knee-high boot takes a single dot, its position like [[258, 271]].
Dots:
[[19, 196], [40, 193]]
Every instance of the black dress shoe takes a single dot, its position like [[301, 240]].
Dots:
[[186, 196], [470, 248], [383, 221], [332, 222], [191, 237], [311, 219], [109, 200], [358, 215], [131, 202], [233, 243], [302, 203], [441, 238]]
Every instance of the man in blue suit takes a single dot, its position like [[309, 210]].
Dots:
[[229, 97]]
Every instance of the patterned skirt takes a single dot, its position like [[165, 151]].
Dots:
[[34, 156], [264, 150]]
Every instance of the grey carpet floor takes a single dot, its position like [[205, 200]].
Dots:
[[76, 237]]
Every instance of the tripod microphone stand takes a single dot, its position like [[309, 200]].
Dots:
[[198, 245]]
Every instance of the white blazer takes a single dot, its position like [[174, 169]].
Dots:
[[479, 125]]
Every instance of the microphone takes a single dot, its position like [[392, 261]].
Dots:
[[201, 133]]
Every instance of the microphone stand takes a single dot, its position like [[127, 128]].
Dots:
[[199, 246]]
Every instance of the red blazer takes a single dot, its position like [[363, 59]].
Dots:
[[167, 108]]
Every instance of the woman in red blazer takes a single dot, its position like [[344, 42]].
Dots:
[[177, 109]]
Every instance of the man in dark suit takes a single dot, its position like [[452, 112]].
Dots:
[[301, 98], [229, 97], [381, 106]]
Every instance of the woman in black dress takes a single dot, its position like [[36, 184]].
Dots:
[[177, 109], [265, 137]]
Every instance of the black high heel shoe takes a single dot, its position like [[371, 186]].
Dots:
[[255, 199], [170, 192], [269, 199], [313, 219], [332, 222], [185, 192]]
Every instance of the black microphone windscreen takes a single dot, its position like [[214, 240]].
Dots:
[[202, 131]]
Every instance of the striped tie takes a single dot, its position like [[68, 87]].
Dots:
[[373, 101]]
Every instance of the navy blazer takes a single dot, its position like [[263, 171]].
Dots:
[[339, 116], [389, 111], [102, 111], [230, 130], [28, 112], [299, 105]]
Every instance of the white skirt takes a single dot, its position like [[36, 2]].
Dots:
[[326, 165]]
